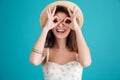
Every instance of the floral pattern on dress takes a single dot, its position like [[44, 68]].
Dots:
[[69, 71]]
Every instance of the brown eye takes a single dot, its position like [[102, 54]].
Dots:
[[68, 21], [55, 20]]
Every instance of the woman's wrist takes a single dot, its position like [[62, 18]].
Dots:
[[45, 29], [78, 30]]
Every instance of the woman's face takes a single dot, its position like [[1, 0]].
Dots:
[[61, 30]]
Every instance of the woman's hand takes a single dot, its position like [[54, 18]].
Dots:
[[71, 21], [53, 20]]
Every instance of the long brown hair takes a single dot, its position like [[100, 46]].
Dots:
[[71, 38]]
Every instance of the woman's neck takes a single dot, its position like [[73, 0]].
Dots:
[[60, 43]]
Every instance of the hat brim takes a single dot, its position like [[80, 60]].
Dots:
[[67, 4]]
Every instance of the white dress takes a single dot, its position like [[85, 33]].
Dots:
[[69, 71]]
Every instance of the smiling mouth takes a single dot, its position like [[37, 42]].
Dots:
[[60, 30]]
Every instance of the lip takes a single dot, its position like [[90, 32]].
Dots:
[[60, 31]]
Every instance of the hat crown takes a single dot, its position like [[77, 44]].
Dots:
[[67, 4]]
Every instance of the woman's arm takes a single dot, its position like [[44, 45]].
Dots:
[[36, 58], [83, 50]]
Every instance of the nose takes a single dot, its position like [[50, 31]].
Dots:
[[61, 24]]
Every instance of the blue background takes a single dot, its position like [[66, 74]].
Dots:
[[20, 28]]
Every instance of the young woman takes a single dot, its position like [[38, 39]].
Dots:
[[61, 47]]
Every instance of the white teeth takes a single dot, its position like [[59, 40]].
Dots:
[[61, 30]]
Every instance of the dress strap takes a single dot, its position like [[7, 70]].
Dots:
[[47, 55], [76, 57]]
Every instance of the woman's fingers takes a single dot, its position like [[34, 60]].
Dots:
[[53, 13], [75, 12], [49, 10], [67, 20], [56, 19], [48, 14], [70, 13], [59, 22]]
